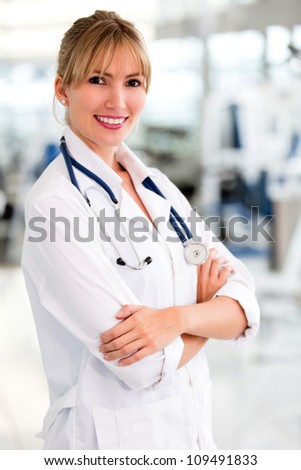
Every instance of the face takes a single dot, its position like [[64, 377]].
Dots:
[[104, 108]]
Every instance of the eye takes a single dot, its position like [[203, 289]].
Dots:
[[97, 80], [134, 83]]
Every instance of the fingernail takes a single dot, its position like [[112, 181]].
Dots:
[[106, 357]]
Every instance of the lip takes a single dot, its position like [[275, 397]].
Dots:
[[113, 116], [110, 125]]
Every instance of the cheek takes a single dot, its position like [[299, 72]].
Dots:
[[137, 101], [81, 98], [140, 102]]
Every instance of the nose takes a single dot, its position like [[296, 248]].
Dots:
[[116, 98]]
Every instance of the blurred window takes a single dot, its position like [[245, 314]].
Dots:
[[235, 56]]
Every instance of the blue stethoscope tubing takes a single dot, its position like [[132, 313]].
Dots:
[[71, 162], [173, 216], [194, 252]]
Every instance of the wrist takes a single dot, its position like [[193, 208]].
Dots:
[[192, 318], [183, 319]]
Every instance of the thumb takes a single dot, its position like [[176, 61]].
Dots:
[[128, 310]]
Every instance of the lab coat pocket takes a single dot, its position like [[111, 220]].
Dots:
[[158, 425]]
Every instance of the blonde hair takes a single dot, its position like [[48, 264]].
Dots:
[[93, 40]]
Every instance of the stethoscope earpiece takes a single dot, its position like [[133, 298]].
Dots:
[[144, 263], [120, 262]]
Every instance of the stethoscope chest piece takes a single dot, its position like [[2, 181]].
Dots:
[[195, 252]]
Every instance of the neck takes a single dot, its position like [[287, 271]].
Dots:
[[108, 157], [111, 161], [107, 154]]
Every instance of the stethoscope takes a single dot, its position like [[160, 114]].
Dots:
[[194, 252]]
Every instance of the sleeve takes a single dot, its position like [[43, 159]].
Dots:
[[80, 287], [240, 286]]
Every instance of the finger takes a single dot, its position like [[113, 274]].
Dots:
[[224, 275], [117, 330], [128, 310], [117, 343], [216, 266], [212, 252], [127, 350], [205, 267], [137, 356]]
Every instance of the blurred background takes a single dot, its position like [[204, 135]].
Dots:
[[223, 121]]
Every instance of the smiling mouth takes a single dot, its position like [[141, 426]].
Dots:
[[111, 121]]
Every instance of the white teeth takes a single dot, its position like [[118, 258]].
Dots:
[[110, 120]]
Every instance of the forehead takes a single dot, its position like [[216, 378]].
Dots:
[[121, 61]]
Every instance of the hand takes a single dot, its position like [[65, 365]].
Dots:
[[142, 332], [212, 275]]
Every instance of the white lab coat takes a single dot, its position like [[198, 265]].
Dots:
[[76, 289]]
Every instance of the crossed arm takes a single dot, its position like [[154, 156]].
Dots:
[[145, 330]]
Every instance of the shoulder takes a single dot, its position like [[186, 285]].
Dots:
[[53, 188], [53, 176]]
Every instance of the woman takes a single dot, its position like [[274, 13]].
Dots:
[[140, 383]]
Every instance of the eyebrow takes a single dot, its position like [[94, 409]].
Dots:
[[131, 75]]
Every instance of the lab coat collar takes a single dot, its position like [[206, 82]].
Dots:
[[156, 206], [89, 159], [133, 164]]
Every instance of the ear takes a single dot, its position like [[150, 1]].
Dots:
[[60, 91]]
